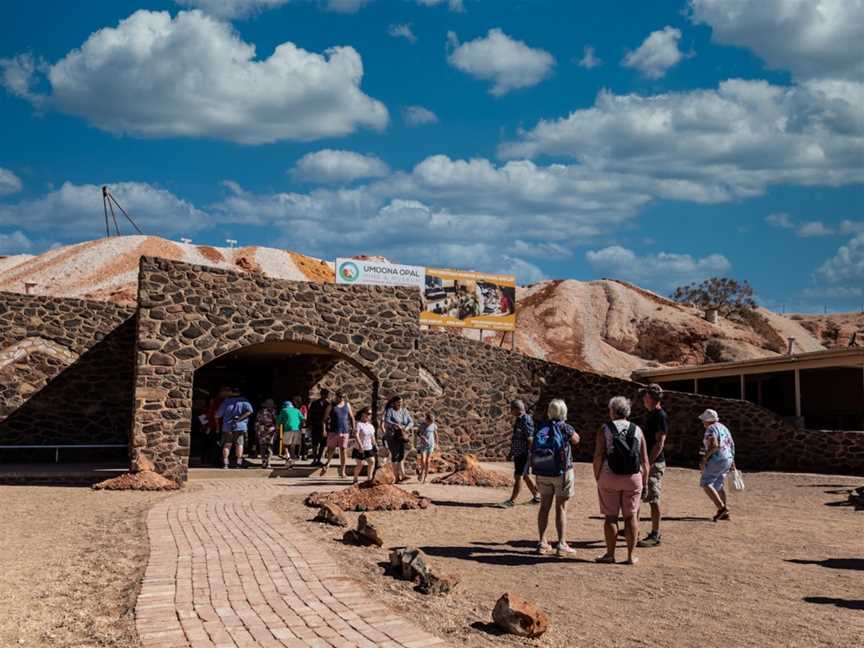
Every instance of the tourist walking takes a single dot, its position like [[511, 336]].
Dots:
[[315, 421], [621, 470], [427, 441], [398, 425], [290, 420], [233, 416], [265, 428], [364, 436], [656, 428], [340, 425], [520, 448], [718, 459], [552, 463]]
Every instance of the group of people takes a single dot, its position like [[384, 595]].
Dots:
[[629, 464]]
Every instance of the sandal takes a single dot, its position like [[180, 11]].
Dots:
[[564, 549], [605, 559], [535, 499], [507, 504], [722, 514], [544, 548]]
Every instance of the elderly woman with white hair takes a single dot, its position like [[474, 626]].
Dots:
[[552, 464], [621, 470], [718, 458]]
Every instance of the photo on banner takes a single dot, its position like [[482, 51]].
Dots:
[[466, 299]]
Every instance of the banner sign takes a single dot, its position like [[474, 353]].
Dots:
[[379, 273], [469, 300]]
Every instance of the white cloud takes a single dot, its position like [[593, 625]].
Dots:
[[418, 116], [714, 145], [346, 6], [329, 165], [15, 243], [402, 31], [9, 182], [509, 63], [851, 227], [846, 267], [665, 270], [657, 53], [588, 60], [453, 5], [231, 9], [813, 228], [810, 38], [780, 219], [76, 211], [192, 76]]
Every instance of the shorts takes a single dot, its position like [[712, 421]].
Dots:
[[619, 494], [337, 441], [397, 450], [714, 474], [293, 437], [561, 487], [363, 455], [521, 464], [655, 483], [426, 448], [230, 438]]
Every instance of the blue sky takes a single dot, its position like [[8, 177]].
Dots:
[[659, 142]]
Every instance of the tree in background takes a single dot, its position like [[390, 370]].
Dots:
[[726, 296]]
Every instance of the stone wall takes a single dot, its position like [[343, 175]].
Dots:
[[66, 368], [478, 382], [188, 315]]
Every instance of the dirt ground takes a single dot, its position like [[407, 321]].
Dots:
[[70, 565], [787, 570]]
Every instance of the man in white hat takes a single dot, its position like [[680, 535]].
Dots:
[[718, 459]]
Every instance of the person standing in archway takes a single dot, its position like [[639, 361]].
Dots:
[[315, 420], [265, 428], [341, 424], [290, 419], [233, 416], [398, 425]]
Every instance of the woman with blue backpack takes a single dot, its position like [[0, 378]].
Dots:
[[552, 465], [621, 470]]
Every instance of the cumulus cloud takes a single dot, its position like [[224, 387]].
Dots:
[[851, 227], [76, 211], [9, 182], [846, 267], [810, 38], [588, 60], [418, 116], [15, 243], [346, 6], [657, 53], [453, 5], [214, 86], [329, 165], [804, 229], [232, 8], [402, 31], [714, 145], [780, 219], [665, 270], [509, 63]]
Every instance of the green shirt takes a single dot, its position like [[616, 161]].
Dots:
[[290, 418]]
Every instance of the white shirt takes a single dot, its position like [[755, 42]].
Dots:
[[366, 434]]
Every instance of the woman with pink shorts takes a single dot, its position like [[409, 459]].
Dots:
[[621, 470]]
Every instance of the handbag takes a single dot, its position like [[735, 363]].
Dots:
[[737, 480]]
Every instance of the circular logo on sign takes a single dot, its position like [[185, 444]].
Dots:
[[349, 272]]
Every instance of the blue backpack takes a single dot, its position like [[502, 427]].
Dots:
[[550, 453]]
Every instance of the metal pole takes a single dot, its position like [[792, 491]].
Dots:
[[105, 207]]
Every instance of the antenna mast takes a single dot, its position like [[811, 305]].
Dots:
[[108, 204]]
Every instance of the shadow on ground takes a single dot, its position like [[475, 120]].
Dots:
[[837, 602], [856, 564]]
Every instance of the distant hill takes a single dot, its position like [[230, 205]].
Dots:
[[605, 326]]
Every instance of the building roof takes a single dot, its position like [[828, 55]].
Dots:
[[848, 357]]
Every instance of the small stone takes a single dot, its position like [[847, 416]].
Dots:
[[519, 617], [331, 514]]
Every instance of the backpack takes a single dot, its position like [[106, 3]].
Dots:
[[549, 452], [624, 457]]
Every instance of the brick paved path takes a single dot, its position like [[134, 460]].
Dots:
[[226, 571]]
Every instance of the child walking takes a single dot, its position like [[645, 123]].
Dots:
[[364, 435], [427, 440]]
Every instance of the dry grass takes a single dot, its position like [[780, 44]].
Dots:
[[70, 567], [786, 571]]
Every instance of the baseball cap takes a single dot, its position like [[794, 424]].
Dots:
[[709, 416], [654, 390]]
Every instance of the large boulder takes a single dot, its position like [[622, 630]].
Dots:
[[364, 535], [384, 476], [519, 617]]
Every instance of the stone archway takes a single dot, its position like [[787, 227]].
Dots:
[[190, 315]]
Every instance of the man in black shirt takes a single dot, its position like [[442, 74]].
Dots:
[[655, 430], [315, 421]]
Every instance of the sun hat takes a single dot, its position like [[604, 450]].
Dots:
[[709, 416], [654, 390]]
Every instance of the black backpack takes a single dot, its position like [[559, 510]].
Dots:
[[624, 457]]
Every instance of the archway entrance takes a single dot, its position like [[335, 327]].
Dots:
[[277, 370]]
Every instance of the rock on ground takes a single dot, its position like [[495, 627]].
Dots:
[[331, 514], [369, 496], [146, 480], [520, 617], [470, 473]]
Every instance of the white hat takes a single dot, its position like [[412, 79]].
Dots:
[[709, 416]]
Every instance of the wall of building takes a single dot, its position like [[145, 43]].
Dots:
[[66, 368]]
